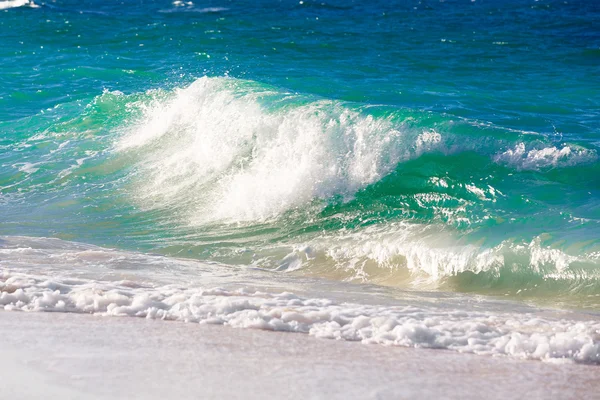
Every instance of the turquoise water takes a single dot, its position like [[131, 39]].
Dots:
[[445, 145]]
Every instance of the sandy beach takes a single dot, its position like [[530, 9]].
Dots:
[[73, 356]]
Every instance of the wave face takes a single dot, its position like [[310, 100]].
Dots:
[[243, 173]]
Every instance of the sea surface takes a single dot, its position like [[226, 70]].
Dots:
[[413, 173]]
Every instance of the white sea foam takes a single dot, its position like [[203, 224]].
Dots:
[[535, 158], [227, 157], [188, 6], [427, 139], [210, 9], [519, 335], [6, 4], [27, 167]]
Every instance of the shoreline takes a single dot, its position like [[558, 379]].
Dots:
[[83, 356]]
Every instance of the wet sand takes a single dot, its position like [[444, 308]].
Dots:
[[71, 356]]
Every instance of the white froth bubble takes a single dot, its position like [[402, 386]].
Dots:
[[519, 335], [552, 156]]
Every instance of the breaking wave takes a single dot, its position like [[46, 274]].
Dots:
[[241, 173]]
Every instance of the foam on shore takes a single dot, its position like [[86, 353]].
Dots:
[[519, 335], [76, 355]]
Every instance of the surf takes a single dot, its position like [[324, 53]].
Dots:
[[243, 173], [27, 285]]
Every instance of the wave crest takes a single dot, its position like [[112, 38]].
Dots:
[[537, 158], [216, 148]]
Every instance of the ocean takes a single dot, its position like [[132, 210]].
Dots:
[[415, 173]]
